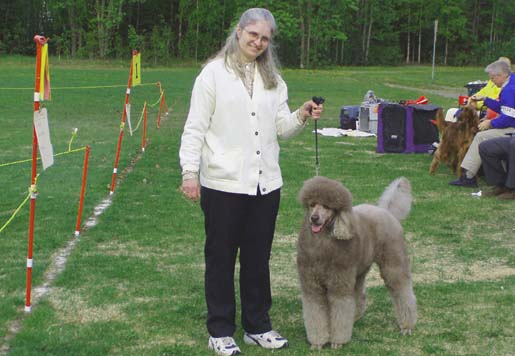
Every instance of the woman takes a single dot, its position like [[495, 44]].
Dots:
[[490, 90], [500, 73], [230, 159]]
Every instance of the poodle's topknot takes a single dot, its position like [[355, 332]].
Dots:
[[327, 192]]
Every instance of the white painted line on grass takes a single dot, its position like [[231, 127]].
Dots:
[[59, 262]]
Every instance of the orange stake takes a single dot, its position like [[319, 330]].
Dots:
[[144, 138], [122, 125], [82, 191], [162, 101], [40, 41]]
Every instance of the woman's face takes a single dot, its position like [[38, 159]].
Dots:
[[254, 39], [498, 79]]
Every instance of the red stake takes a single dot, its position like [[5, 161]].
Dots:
[[40, 41], [122, 125], [162, 101], [83, 189], [144, 138]]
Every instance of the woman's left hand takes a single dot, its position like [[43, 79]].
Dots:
[[484, 125], [477, 98], [311, 109]]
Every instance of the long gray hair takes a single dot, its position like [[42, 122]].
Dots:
[[267, 62]]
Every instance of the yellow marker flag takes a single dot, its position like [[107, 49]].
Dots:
[[136, 68], [44, 72]]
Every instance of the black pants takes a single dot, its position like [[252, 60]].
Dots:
[[495, 153], [247, 223]]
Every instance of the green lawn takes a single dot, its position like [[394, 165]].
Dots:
[[133, 284]]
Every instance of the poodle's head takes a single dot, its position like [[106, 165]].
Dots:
[[328, 207]]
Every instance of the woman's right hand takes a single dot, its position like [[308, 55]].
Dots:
[[191, 189]]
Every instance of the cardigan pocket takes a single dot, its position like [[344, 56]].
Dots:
[[224, 165]]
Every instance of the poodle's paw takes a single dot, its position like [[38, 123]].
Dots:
[[406, 331], [317, 346], [335, 345]]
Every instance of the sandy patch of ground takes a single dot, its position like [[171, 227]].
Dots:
[[429, 265], [72, 308]]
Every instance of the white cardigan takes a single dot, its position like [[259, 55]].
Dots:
[[231, 138]]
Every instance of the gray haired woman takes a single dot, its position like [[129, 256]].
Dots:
[[501, 75], [230, 159]]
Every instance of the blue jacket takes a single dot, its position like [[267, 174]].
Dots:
[[505, 107]]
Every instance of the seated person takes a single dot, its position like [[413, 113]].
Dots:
[[498, 157], [490, 90], [500, 73]]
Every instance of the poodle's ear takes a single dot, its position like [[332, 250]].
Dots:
[[342, 227]]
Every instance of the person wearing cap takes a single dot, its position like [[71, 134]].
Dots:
[[501, 74]]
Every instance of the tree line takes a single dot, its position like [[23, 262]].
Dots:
[[312, 33]]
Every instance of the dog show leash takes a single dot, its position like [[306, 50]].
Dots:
[[318, 100]]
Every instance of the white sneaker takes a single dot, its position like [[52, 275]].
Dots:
[[268, 340], [224, 346]]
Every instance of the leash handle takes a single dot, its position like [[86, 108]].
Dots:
[[317, 164], [318, 100]]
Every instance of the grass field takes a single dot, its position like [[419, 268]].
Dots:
[[133, 284]]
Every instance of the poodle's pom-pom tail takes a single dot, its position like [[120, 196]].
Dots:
[[397, 198]]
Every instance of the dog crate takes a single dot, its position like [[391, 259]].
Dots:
[[348, 117], [406, 129], [368, 114]]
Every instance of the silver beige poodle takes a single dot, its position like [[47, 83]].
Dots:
[[337, 246]]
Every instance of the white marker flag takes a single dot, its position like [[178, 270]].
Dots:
[[43, 134], [128, 112]]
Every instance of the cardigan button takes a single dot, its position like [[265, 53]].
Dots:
[[253, 114], [260, 171], [256, 133], [258, 152]]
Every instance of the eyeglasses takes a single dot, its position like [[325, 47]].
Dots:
[[493, 76], [254, 36]]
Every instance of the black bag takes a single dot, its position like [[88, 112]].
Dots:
[[348, 117], [394, 128], [425, 132]]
